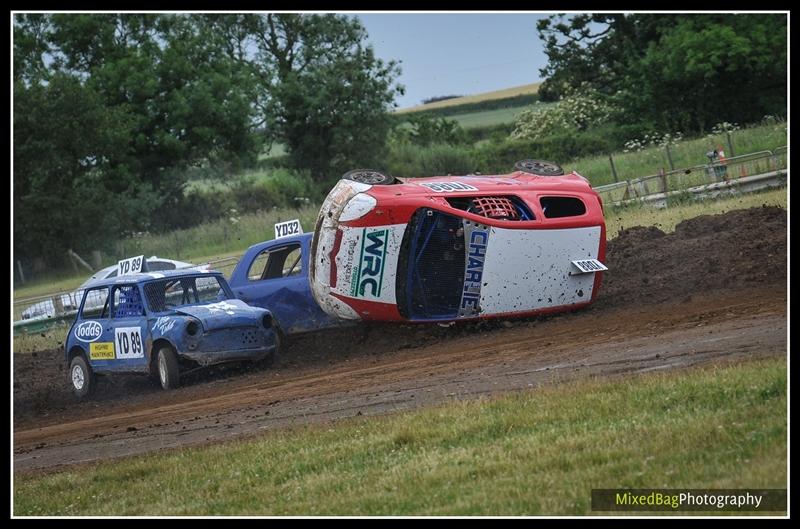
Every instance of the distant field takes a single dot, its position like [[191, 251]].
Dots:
[[477, 98], [529, 453], [492, 117]]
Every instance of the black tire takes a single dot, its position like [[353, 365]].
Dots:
[[369, 176], [81, 377], [539, 167], [167, 368]]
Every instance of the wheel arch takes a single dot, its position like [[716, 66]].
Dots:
[[75, 351], [158, 344]]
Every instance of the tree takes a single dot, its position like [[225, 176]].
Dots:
[[677, 71], [71, 186], [324, 93]]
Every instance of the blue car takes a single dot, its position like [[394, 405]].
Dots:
[[274, 274], [163, 324]]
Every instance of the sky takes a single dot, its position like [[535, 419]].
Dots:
[[457, 54]]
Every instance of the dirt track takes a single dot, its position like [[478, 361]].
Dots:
[[713, 291]]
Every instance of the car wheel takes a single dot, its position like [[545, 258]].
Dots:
[[369, 176], [539, 167], [167, 367], [81, 378]]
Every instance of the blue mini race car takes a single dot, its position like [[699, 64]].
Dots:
[[163, 324]]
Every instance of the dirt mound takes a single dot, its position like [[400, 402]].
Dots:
[[737, 249]]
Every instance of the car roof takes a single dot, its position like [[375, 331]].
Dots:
[[149, 276], [102, 274]]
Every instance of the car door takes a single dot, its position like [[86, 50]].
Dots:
[[131, 332], [277, 280], [94, 330]]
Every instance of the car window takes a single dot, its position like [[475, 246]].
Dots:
[[172, 293], [274, 263], [96, 303], [127, 301]]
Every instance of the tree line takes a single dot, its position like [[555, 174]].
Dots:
[[110, 110], [682, 72]]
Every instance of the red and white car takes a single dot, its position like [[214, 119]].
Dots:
[[458, 247]]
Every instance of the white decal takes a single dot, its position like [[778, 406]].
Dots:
[[129, 342], [290, 227], [164, 324], [445, 187], [530, 269], [367, 262], [222, 306], [132, 265], [88, 331], [587, 266]]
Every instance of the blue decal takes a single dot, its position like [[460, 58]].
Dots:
[[477, 240]]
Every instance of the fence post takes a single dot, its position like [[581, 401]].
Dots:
[[730, 144], [669, 158], [613, 169], [663, 175], [21, 275]]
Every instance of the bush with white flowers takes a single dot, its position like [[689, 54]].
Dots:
[[577, 110]]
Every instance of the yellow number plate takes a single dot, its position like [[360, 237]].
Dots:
[[101, 351]]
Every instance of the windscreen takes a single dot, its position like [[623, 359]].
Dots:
[[172, 293]]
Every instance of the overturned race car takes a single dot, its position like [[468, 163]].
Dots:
[[458, 247]]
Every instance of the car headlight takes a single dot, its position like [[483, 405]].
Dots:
[[193, 328], [357, 207]]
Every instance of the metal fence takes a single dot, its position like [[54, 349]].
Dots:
[[38, 313], [731, 169]]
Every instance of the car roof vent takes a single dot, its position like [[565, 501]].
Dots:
[[494, 208], [500, 208]]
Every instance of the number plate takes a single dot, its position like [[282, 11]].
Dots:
[[288, 228], [133, 265], [128, 342], [587, 266]]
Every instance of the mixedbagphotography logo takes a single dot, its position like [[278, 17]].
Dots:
[[760, 500]]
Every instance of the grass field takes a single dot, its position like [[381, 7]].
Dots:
[[528, 453], [687, 153], [476, 98], [492, 117]]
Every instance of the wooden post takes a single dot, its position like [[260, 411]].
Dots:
[[77, 258], [613, 169], [669, 158], [730, 143], [97, 260], [21, 275]]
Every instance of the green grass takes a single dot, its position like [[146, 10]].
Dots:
[[687, 153], [492, 117], [528, 453], [207, 241]]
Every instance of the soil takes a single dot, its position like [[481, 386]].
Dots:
[[713, 291]]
